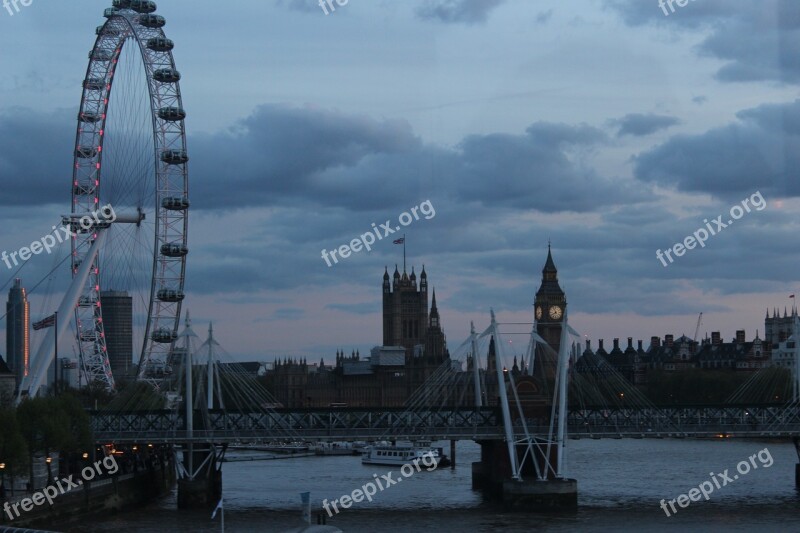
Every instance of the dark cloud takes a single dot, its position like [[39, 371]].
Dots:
[[308, 158], [781, 119], [281, 152], [758, 41], [458, 11], [541, 170], [639, 125], [36, 159], [759, 152], [314, 157]]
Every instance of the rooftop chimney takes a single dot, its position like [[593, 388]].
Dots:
[[715, 338], [669, 340], [655, 342], [740, 336]]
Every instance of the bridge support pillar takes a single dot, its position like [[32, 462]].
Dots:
[[452, 453], [796, 441], [538, 496], [797, 476], [493, 475], [196, 493], [202, 488]]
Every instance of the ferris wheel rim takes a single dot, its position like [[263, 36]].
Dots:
[[133, 23]]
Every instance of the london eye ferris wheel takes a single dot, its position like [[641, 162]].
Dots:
[[130, 153]]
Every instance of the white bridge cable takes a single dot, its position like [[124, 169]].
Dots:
[[598, 391], [238, 398], [446, 388]]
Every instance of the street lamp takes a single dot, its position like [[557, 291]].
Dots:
[[49, 460]]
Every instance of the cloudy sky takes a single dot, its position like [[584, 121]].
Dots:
[[602, 125]]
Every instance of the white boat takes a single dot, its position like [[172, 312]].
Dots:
[[404, 452]]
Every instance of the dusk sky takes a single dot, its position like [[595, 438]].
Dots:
[[605, 126]]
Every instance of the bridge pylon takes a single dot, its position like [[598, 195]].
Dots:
[[527, 469], [199, 474], [199, 464]]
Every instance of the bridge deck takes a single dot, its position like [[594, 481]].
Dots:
[[445, 423]]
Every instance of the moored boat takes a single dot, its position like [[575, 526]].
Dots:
[[404, 452]]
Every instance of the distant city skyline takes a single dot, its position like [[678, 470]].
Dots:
[[604, 126]]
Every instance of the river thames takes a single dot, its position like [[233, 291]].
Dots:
[[620, 483]]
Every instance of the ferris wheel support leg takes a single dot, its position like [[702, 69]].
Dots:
[[46, 352]]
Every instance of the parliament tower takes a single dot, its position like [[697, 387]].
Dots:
[[407, 323], [549, 305]]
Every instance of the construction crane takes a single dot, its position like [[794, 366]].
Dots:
[[697, 329]]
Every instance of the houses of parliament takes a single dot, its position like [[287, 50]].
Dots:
[[414, 348]]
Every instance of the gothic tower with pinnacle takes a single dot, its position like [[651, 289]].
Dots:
[[549, 305], [405, 310]]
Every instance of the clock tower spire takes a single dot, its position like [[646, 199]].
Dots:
[[549, 304]]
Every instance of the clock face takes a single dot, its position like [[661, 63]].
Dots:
[[555, 312], [538, 312]]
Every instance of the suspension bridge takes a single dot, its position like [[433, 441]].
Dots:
[[524, 436]]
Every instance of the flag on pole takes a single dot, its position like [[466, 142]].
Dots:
[[401, 240], [791, 296], [48, 322], [306, 499], [217, 508]]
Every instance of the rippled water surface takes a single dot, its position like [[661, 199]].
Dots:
[[620, 483]]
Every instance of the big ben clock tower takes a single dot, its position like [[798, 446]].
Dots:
[[549, 305]]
